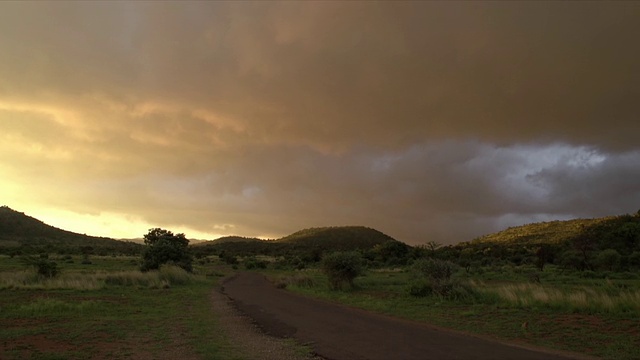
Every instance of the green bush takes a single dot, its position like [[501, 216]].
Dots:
[[608, 259], [341, 268], [434, 269], [44, 267], [434, 278], [254, 263]]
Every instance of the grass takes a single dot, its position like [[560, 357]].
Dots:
[[586, 299], [109, 313], [29, 279], [591, 316]]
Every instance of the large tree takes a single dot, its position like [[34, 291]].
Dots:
[[163, 247]]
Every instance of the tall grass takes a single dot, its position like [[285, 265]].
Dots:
[[53, 307], [602, 299], [163, 278]]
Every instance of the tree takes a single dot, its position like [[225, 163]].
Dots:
[[391, 252], [544, 254], [163, 247], [584, 243], [342, 267]]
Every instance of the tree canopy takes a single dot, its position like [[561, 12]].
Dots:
[[163, 247]]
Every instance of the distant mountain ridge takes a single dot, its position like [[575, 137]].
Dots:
[[20, 230]]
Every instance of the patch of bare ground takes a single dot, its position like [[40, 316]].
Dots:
[[95, 345], [249, 338]]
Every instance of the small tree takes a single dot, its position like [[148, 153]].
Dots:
[[544, 254], [164, 247], [342, 267]]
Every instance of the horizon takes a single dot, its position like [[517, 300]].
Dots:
[[140, 238], [428, 121]]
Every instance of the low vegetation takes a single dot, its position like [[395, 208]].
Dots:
[[109, 309], [562, 311], [571, 285]]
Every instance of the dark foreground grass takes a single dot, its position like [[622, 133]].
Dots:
[[113, 322], [606, 335]]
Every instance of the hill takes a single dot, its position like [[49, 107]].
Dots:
[[340, 238], [621, 233], [552, 232], [308, 242], [227, 239], [575, 244], [27, 234]]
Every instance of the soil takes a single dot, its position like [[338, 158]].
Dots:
[[338, 332]]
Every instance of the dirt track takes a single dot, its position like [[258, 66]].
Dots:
[[338, 332]]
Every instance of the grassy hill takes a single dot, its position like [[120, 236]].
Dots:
[[337, 238], [552, 232], [25, 233], [312, 241], [581, 243], [616, 232]]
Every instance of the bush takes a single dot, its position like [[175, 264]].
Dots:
[[434, 269], [434, 278], [608, 259], [341, 268], [420, 288], [44, 267], [254, 263]]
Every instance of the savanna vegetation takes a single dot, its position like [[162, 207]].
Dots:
[[571, 285]]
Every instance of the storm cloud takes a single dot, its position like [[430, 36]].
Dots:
[[428, 121]]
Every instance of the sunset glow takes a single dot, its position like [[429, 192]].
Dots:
[[429, 121]]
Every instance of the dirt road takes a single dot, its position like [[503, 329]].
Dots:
[[338, 332]]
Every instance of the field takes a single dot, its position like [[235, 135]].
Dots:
[[564, 311], [109, 310], [104, 307]]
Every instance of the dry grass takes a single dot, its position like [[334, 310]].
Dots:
[[29, 279], [583, 299]]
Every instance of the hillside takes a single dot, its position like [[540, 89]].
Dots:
[[621, 233], [20, 231], [552, 232], [337, 238], [309, 241], [226, 239]]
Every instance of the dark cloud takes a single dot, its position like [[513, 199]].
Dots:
[[427, 120]]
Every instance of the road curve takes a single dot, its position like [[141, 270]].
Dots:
[[338, 332]]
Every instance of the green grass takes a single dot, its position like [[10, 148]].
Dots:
[[111, 313], [552, 315]]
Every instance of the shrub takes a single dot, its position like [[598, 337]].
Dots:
[[341, 268], [44, 267], [254, 263], [434, 269], [608, 259], [434, 278]]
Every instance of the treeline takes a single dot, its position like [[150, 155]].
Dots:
[[607, 244]]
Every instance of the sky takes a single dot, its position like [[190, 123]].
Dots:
[[428, 121]]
